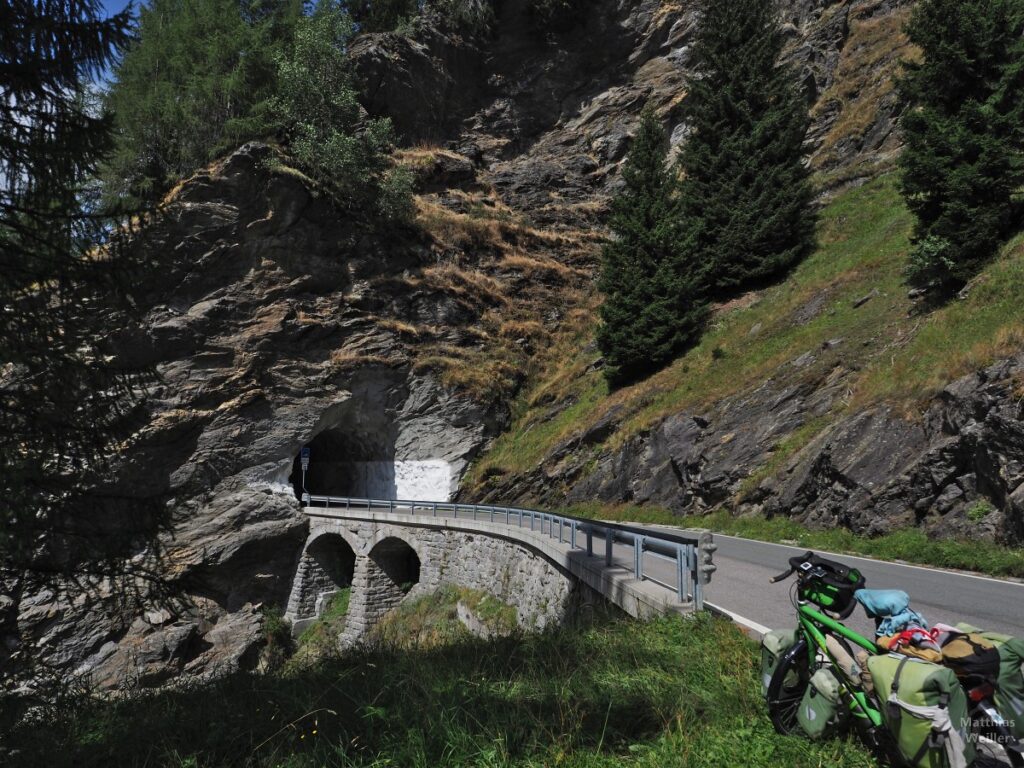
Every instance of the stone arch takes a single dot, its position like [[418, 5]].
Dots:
[[389, 567], [397, 561], [326, 566]]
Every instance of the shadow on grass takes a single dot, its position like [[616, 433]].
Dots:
[[607, 694]]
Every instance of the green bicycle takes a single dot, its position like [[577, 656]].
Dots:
[[823, 596], [824, 586]]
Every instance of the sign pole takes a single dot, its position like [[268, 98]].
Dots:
[[304, 458]]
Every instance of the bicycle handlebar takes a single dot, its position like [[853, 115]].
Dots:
[[794, 563]]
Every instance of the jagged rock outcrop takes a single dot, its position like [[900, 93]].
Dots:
[[873, 471]]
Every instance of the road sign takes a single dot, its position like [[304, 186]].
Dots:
[[304, 457]]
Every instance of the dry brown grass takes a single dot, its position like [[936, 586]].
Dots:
[[522, 329], [865, 74], [401, 328], [537, 268], [464, 283], [459, 231], [345, 360]]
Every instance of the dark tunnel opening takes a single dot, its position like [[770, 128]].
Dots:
[[345, 463]]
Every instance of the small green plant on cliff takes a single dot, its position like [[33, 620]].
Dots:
[[979, 510], [318, 107], [963, 166]]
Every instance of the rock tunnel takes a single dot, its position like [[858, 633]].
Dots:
[[348, 464]]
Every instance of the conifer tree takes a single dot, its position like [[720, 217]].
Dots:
[[651, 311], [64, 402], [964, 129], [195, 83], [745, 197]]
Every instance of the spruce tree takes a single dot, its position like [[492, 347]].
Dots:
[[964, 129], [651, 311], [65, 402], [745, 199]]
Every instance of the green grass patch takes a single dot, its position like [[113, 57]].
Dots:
[[909, 545], [957, 339], [432, 620], [320, 639], [672, 692], [891, 349]]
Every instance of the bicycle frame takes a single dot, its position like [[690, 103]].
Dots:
[[811, 621]]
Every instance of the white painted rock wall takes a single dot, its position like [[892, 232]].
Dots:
[[429, 480]]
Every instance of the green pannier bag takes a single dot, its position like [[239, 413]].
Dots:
[[773, 647], [925, 709], [1009, 698], [822, 705]]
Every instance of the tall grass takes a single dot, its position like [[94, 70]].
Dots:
[[673, 692]]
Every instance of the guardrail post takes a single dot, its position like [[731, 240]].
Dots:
[[572, 534], [520, 517], [532, 515], [590, 542], [638, 556], [681, 573], [609, 541], [435, 509], [698, 588]]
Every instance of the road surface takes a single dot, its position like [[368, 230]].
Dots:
[[741, 586]]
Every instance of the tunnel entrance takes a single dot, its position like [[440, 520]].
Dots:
[[398, 562], [348, 463], [329, 566], [345, 463]]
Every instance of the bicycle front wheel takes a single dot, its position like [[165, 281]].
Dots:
[[787, 687]]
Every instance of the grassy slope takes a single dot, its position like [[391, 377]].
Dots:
[[673, 692], [899, 354]]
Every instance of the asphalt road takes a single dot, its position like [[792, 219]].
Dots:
[[741, 585]]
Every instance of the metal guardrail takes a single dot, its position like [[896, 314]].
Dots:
[[692, 556]]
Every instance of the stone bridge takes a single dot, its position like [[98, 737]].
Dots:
[[543, 565]]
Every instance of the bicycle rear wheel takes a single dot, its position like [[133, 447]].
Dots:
[[787, 686]]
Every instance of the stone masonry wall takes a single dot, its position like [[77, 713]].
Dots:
[[541, 593]]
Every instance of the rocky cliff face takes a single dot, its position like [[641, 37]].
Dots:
[[276, 323], [872, 472]]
